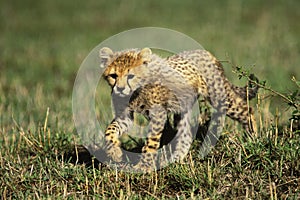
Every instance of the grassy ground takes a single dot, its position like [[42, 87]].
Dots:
[[42, 44]]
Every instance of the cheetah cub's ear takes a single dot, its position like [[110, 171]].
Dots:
[[106, 55], [145, 54]]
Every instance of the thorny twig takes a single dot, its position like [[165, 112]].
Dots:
[[238, 70]]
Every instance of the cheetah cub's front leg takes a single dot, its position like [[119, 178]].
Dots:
[[158, 118], [118, 126], [113, 145]]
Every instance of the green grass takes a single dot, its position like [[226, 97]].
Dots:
[[42, 44]]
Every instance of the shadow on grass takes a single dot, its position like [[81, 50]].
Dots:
[[79, 154]]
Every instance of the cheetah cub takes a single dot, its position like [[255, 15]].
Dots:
[[155, 86]]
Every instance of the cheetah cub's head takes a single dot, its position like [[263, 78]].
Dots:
[[125, 70]]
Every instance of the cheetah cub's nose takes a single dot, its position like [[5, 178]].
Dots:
[[120, 89]]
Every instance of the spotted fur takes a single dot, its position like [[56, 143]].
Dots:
[[156, 86]]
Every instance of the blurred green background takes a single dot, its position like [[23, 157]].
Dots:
[[42, 44]]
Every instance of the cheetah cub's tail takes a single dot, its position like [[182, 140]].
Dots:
[[252, 88]]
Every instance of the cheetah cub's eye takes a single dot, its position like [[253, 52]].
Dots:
[[130, 76], [114, 76]]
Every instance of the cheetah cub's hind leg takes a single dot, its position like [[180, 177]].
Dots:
[[240, 111]]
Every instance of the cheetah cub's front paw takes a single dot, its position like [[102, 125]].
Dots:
[[115, 153], [144, 167]]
